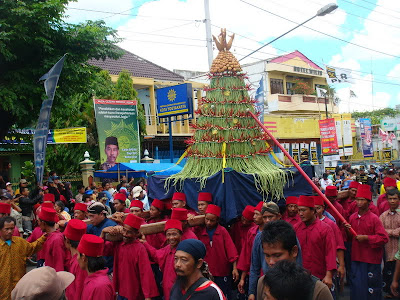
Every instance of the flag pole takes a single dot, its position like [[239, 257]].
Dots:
[[316, 189]]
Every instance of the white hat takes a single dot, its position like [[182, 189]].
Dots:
[[42, 283], [136, 191]]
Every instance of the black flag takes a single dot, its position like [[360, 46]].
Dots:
[[42, 128]]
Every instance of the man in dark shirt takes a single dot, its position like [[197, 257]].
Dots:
[[26, 204], [362, 176], [189, 267]]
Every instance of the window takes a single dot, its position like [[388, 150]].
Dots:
[[289, 88], [276, 86]]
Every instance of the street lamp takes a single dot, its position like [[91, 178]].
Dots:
[[320, 13]]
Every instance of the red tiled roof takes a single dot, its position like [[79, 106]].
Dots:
[[137, 66]]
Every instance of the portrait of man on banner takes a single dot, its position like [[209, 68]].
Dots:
[[111, 150]]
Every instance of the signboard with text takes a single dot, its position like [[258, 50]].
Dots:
[[329, 144], [366, 137], [118, 131], [175, 100]]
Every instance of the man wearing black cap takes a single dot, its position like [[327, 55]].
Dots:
[[112, 151], [189, 267]]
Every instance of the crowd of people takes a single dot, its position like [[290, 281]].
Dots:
[[116, 243]]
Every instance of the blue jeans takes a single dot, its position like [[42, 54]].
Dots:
[[121, 298]]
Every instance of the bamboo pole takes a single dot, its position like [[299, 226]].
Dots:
[[316, 189]]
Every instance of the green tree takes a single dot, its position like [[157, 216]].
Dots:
[[124, 91], [376, 115], [33, 36]]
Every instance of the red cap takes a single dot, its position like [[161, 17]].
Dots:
[[387, 182], [318, 200], [49, 197], [81, 207], [48, 214], [213, 209], [120, 196], [173, 224], [179, 214], [307, 201], [331, 191], [133, 221], [248, 212], [354, 185], [179, 196], [168, 204], [291, 200], [259, 206], [158, 204], [91, 245], [136, 203], [75, 229], [205, 197], [47, 204], [364, 191], [5, 208]]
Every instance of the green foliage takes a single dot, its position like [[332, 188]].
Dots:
[[124, 91], [302, 87], [376, 115], [33, 36], [28, 171]]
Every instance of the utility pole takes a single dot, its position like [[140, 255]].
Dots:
[[326, 106], [207, 22]]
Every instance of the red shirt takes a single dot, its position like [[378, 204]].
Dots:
[[354, 209], [37, 233], [238, 233], [156, 240], [318, 247], [336, 232], [16, 231], [74, 290], [221, 252], [245, 255], [164, 257], [370, 251], [98, 286], [133, 277], [339, 208], [188, 234], [292, 220], [382, 204], [54, 251]]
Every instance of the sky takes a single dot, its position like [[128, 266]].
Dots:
[[361, 35]]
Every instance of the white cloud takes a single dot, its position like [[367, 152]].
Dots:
[[364, 101], [377, 36], [349, 63], [234, 15], [394, 74]]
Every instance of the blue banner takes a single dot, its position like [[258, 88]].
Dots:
[[42, 128], [259, 97], [366, 137], [175, 100]]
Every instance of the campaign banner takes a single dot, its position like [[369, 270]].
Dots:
[[338, 75], [118, 131], [387, 154], [314, 153], [347, 134], [339, 136], [74, 135], [295, 152], [366, 137], [329, 144]]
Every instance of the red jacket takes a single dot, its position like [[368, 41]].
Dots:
[[346, 203], [36, 233], [245, 255], [336, 232], [292, 220], [220, 253], [54, 251], [133, 277], [238, 234], [98, 286], [318, 247], [164, 257], [354, 209], [382, 204], [157, 240], [370, 251], [74, 290], [188, 234]]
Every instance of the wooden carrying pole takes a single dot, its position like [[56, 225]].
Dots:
[[316, 189]]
